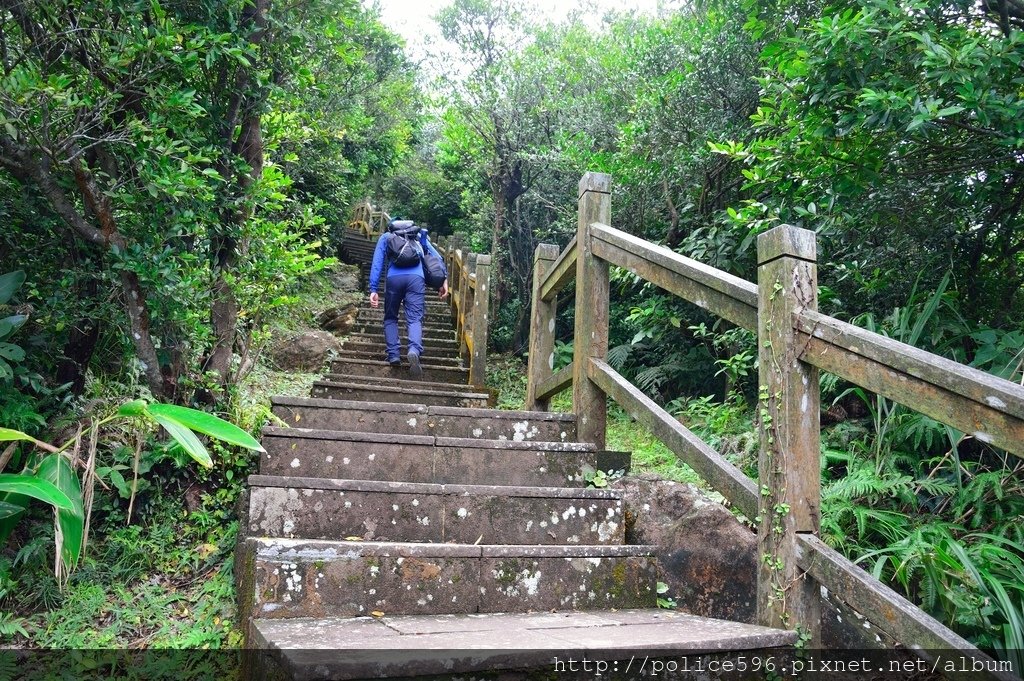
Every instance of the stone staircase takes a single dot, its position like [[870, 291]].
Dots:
[[401, 528]]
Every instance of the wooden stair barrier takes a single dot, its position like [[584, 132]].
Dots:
[[795, 341]]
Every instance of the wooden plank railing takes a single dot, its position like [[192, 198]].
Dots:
[[469, 277], [794, 342], [369, 219]]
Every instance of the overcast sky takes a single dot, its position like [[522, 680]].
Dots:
[[412, 18]]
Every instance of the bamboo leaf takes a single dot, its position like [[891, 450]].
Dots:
[[57, 470], [9, 283], [37, 488], [204, 423], [186, 438]]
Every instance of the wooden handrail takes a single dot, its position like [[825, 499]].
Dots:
[[978, 403], [883, 607], [716, 291], [794, 341], [561, 273], [723, 476]]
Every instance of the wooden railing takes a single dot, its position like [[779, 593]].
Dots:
[[369, 219], [469, 284], [794, 341]]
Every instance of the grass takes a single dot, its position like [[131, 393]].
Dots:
[[508, 374]]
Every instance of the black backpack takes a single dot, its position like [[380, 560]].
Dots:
[[404, 249]]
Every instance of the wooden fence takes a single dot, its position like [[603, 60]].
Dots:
[[369, 219], [469, 284], [794, 342]]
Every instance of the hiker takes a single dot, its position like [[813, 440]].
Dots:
[[402, 249]]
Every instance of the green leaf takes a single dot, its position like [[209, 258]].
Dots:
[[186, 438], [207, 424], [9, 283], [9, 325], [8, 509], [133, 408], [37, 488], [11, 352], [10, 435], [57, 470]]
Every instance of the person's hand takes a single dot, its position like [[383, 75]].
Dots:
[[374, 299], [443, 291]]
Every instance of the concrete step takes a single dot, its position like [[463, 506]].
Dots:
[[375, 350], [309, 578], [372, 368], [319, 508], [505, 644], [419, 419], [429, 332], [353, 455], [432, 355], [396, 382], [372, 315], [370, 392], [445, 347]]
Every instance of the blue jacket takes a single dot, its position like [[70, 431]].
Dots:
[[380, 255]]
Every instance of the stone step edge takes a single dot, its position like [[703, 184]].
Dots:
[[398, 382], [380, 362], [432, 489], [427, 440], [287, 401], [506, 643], [287, 550], [406, 391]]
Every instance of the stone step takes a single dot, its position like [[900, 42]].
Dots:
[[351, 455], [397, 382], [449, 646], [311, 578], [319, 508], [375, 350], [429, 332], [372, 368], [371, 315], [419, 419], [432, 355], [372, 392], [448, 346]]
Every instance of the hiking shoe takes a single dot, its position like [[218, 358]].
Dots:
[[415, 370], [395, 363]]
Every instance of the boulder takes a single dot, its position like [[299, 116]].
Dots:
[[304, 351], [338, 320], [344, 279], [709, 558]]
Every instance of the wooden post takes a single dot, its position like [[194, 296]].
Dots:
[[542, 329], [478, 361], [789, 465], [589, 402], [465, 302], [454, 244]]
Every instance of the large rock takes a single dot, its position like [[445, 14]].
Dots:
[[305, 351], [338, 320], [344, 279], [708, 556]]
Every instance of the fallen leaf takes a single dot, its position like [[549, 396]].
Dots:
[[377, 613], [353, 539]]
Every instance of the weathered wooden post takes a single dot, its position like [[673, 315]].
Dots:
[[789, 465], [542, 329], [589, 402], [466, 298], [478, 360], [454, 244]]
